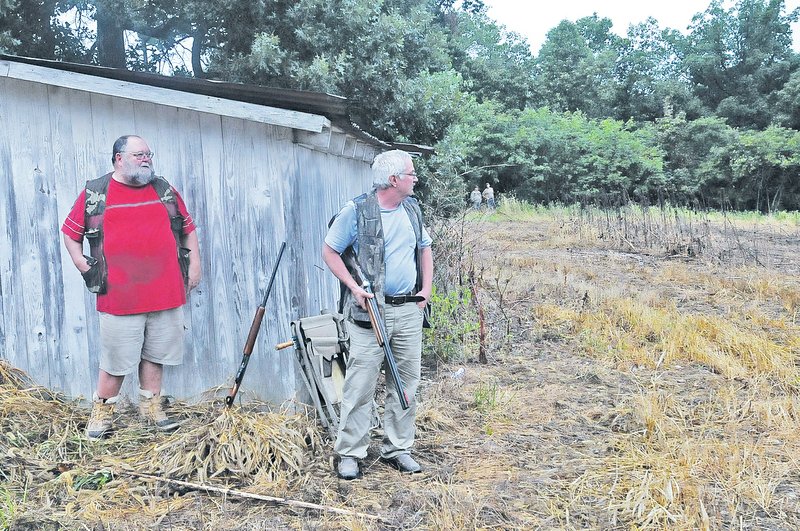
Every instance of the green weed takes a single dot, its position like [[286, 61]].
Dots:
[[487, 397], [8, 509], [94, 481], [454, 324]]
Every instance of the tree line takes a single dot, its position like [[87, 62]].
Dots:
[[706, 117]]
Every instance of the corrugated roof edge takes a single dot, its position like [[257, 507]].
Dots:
[[335, 108]]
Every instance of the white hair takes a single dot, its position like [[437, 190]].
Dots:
[[387, 164]]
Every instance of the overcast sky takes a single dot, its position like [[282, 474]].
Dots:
[[533, 19]]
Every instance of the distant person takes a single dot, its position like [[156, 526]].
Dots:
[[475, 198], [145, 258], [382, 233], [488, 195]]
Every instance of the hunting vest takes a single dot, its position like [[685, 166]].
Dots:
[[95, 206], [370, 258]]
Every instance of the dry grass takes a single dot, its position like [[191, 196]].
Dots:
[[684, 451], [628, 332], [267, 447]]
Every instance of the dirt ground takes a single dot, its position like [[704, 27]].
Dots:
[[570, 424]]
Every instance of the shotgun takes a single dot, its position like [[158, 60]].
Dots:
[[253, 334], [380, 334]]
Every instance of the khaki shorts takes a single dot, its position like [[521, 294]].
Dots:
[[127, 339]]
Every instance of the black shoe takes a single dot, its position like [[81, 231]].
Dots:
[[403, 463], [348, 468]]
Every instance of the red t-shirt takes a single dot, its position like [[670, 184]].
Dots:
[[143, 270]]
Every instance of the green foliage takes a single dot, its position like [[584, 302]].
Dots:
[[764, 166], [787, 103], [496, 65], [651, 82], [512, 208], [454, 324], [430, 102], [489, 399], [8, 508], [738, 57], [574, 69], [544, 156], [94, 481], [519, 210], [35, 28]]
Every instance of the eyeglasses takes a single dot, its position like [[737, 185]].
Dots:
[[141, 155], [412, 174]]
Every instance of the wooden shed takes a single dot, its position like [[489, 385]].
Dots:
[[256, 167]]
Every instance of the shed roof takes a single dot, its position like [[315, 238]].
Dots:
[[334, 108]]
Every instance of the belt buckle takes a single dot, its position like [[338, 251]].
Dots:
[[399, 301]]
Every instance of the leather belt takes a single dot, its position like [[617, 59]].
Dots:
[[397, 300]]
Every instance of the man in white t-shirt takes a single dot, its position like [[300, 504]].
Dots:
[[381, 233]]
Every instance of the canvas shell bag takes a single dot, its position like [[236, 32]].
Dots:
[[325, 341]]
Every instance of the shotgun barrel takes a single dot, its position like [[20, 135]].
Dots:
[[379, 328]]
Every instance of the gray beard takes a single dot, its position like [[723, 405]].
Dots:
[[142, 176]]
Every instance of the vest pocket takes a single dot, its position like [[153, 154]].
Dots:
[[92, 277]]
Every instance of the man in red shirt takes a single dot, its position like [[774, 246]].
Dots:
[[143, 287]]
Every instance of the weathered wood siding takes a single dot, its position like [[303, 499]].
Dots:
[[249, 185]]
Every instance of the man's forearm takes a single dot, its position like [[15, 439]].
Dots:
[[426, 268], [191, 242], [335, 263], [75, 250]]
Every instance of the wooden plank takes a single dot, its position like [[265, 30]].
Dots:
[[349, 146], [105, 132], [358, 151], [259, 212], [277, 134], [60, 120], [369, 154], [30, 148], [320, 141], [226, 167], [8, 307], [201, 336], [170, 97], [337, 143], [214, 331], [73, 149], [276, 371], [307, 231]]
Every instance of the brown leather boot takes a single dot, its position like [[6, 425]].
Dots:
[[150, 409], [99, 424]]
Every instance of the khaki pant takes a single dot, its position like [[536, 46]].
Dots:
[[404, 329], [125, 340]]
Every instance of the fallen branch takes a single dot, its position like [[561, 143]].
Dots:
[[242, 494]]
